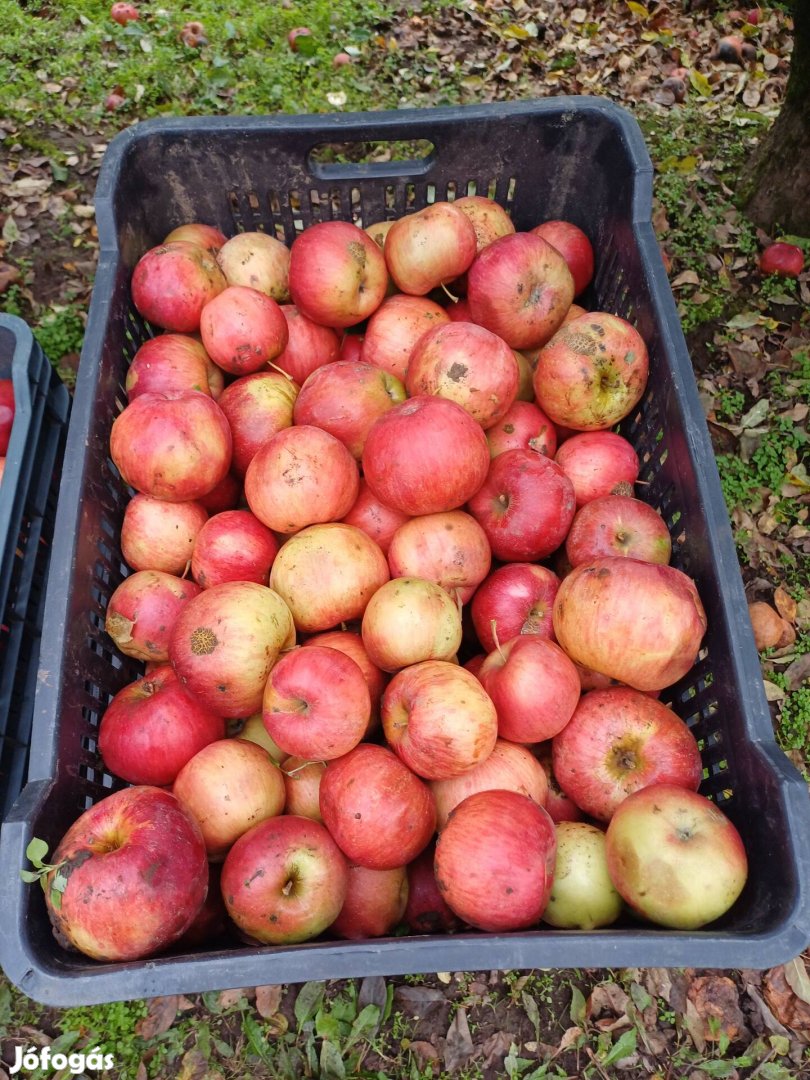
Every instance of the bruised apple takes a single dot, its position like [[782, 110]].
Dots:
[[159, 535], [395, 327], [450, 549], [338, 275], [582, 897], [429, 248], [143, 610], [409, 620], [173, 282]]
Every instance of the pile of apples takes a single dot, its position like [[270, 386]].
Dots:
[[337, 500]]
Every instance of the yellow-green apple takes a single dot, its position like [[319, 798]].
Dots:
[[515, 599], [143, 610], [171, 283], [130, 876], [338, 275], [395, 327], [582, 897], [467, 364], [534, 687], [520, 288], [301, 476], [159, 535], [228, 787], [449, 549], [173, 363], [618, 525], [408, 620], [374, 905], [523, 427], [495, 860], [592, 373], [509, 767], [377, 520], [194, 232], [175, 446], [253, 730], [437, 717], [489, 219], [639, 623], [317, 703], [675, 858], [257, 261], [598, 463], [233, 546], [243, 329], [345, 399], [620, 740], [284, 881], [574, 246], [152, 727], [379, 812], [429, 248], [302, 781], [525, 506], [425, 456], [309, 345], [223, 647], [327, 574]]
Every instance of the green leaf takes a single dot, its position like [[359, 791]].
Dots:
[[306, 44], [533, 1013], [638, 9], [781, 1044], [308, 1002], [770, 1070], [700, 83], [624, 1046], [30, 876], [577, 1007], [366, 1024], [744, 321], [718, 1069], [327, 1026], [256, 1039], [332, 1067], [641, 999], [36, 851]]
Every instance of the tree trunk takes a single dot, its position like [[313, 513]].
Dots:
[[775, 188]]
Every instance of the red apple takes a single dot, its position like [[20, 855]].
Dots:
[[327, 574], [438, 719], [559, 806], [345, 399], [375, 519], [242, 329], [350, 643], [575, 248], [302, 782], [618, 525], [596, 463], [525, 506], [467, 364], [294, 36], [225, 641], [351, 347], [429, 248], [375, 903], [515, 599], [459, 311], [475, 663], [174, 446], [123, 13], [675, 857], [285, 881], [449, 549], [301, 476], [257, 407], [593, 373], [172, 283], [228, 787], [6, 413], [233, 546], [523, 427], [379, 812], [409, 620], [225, 496], [534, 687], [508, 768], [211, 921], [488, 218], [620, 740], [131, 876], [207, 236], [425, 456], [153, 727], [395, 327], [317, 703], [637, 622], [786, 260], [426, 911], [309, 345], [143, 610], [159, 535], [520, 288], [257, 261], [583, 897], [495, 860], [172, 363], [338, 275]]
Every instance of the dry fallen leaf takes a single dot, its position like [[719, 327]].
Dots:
[[495, 1048], [458, 1047], [268, 1000], [159, 1017], [786, 1006], [716, 1002]]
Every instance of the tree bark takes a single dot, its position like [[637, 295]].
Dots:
[[774, 189]]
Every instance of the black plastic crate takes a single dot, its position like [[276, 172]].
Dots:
[[581, 159], [28, 496]]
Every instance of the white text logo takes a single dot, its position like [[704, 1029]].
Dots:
[[32, 1058]]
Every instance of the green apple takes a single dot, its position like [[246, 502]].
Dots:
[[582, 897]]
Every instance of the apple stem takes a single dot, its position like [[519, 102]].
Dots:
[[281, 370], [453, 298], [494, 625], [298, 768], [187, 569]]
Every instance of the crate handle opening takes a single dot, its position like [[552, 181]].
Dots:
[[383, 157]]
